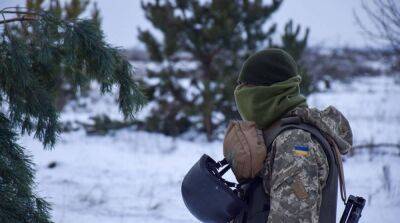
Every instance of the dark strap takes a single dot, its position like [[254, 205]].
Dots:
[[224, 170], [225, 167], [257, 205], [222, 163]]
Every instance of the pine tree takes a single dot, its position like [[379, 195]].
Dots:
[[30, 67], [294, 44], [198, 58], [68, 10]]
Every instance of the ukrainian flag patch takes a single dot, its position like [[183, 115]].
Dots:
[[301, 151]]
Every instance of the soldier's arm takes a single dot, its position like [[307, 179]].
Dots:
[[299, 172]]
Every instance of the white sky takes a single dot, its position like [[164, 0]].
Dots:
[[331, 21]]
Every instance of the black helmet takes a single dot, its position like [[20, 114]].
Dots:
[[207, 195]]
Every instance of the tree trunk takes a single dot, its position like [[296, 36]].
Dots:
[[207, 110], [208, 126]]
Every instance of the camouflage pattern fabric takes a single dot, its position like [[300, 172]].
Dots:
[[331, 122], [300, 170]]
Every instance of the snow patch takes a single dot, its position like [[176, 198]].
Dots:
[[134, 176]]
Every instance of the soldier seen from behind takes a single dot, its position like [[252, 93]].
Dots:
[[299, 177], [285, 155]]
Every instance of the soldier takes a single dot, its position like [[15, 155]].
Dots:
[[295, 177]]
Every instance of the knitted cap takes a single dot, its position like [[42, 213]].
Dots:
[[267, 67]]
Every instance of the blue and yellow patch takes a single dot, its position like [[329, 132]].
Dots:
[[301, 151]]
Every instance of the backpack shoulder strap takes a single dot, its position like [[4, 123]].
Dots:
[[292, 123]]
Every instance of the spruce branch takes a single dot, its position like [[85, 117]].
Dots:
[[20, 19], [54, 50]]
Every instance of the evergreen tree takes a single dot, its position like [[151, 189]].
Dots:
[[30, 67], [199, 56], [294, 44], [67, 10]]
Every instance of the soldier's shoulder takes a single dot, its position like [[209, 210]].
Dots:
[[293, 135], [293, 138]]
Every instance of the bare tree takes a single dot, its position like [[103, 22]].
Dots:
[[383, 23]]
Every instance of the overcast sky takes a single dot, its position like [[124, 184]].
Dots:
[[331, 21]]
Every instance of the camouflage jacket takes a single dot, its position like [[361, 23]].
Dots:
[[296, 172]]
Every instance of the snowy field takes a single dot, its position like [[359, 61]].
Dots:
[[131, 176]]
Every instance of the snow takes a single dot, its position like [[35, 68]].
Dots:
[[371, 105], [134, 176]]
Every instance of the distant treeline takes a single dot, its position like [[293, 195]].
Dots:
[[326, 64]]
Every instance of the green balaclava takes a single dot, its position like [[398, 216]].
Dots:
[[269, 87]]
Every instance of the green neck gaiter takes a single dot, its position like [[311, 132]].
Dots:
[[266, 104]]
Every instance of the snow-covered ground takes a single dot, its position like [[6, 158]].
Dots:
[[133, 176]]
